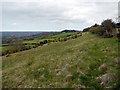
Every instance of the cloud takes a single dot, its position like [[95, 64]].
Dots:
[[55, 14], [14, 24]]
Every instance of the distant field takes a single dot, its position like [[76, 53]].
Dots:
[[52, 37], [3, 48], [33, 43], [74, 63], [61, 35]]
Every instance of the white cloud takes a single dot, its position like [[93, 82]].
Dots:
[[59, 0], [91, 22], [14, 24]]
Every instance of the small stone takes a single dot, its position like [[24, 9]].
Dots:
[[58, 74], [102, 67], [117, 61], [106, 78], [69, 77], [42, 77]]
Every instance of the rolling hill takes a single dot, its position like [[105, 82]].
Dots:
[[87, 61]]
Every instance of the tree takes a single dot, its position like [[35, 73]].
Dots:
[[109, 27]]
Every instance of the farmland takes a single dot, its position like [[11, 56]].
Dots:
[[26, 44]]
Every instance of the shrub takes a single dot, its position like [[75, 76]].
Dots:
[[106, 29], [41, 43], [99, 30], [45, 41], [109, 27], [65, 39], [118, 35], [76, 36], [86, 29]]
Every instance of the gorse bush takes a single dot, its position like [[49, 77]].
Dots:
[[109, 28], [106, 29]]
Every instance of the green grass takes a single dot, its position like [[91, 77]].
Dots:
[[73, 63], [52, 37], [37, 40], [5, 48], [64, 34]]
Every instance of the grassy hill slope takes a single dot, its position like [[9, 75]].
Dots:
[[73, 63]]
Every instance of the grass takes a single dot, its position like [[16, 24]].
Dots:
[[37, 40], [52, 37], [5, 48], [73, 63], [62, 35]]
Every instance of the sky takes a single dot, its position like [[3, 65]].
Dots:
[[55, 15]]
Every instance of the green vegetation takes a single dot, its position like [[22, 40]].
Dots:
[[62, 35], [76, 62], [23, 45], [52, 37], [118, 35], [107, 29]]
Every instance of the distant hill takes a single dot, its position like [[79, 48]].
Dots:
[[18, 34], [70, 31]]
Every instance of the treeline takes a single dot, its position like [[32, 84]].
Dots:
[[18, 46], [70, 31], [107, 29]]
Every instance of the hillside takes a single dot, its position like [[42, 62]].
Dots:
[[33, 41], [87, 61]]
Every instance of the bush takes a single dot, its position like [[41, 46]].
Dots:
[[41, 43], [76, 36], [118, 35], [86, 29], [65, 39], [106, 29], [45, 41], [109, 27], [99, 30]]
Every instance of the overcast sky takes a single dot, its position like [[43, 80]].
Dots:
[[55, 15]]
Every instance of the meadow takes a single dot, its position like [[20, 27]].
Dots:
[[83, 62]]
